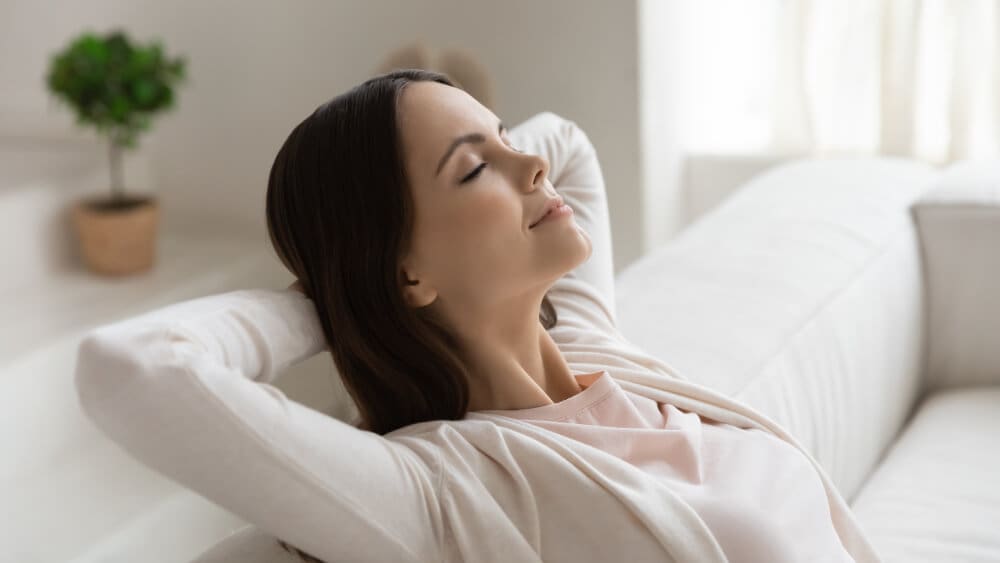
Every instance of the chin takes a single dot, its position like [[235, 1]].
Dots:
[[569, 256], [589, 245], [574, 259]]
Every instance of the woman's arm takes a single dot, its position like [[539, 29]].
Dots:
[[186, 389], [584, 297]]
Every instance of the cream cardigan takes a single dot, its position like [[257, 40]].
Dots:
[[187, 389]]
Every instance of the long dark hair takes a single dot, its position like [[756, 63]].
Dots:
[[340, 217]]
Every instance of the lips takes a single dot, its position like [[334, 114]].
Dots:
[[547, 208]]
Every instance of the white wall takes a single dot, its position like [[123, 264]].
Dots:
[[257, 68], [661, 162]]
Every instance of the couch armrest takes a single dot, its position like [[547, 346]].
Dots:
[[958, 222]]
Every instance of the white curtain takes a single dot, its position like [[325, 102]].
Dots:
[[912, 78]]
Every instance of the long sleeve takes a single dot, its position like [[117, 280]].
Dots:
[[186, 389], [584, 298]]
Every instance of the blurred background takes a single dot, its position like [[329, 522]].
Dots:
[[685, 100]]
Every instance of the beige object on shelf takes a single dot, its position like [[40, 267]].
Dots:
[[117, 241], [460, 65]]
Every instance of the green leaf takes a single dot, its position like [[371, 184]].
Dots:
[[107, 79], [144, 92], [120, 108]]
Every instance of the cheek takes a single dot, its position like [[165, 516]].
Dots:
[[484, 230], [488, 221], [483, 216]]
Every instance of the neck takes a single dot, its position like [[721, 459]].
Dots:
[[516, 367]]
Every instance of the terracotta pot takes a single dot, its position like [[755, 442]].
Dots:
[[117, 237]]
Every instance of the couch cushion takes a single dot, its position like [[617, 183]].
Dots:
[[936, 495], [247, 545]]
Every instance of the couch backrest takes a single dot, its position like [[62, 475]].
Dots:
[[801, 295]]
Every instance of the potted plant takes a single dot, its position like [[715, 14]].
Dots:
[[116, 87]]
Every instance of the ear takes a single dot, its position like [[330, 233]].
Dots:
[[416, 292]]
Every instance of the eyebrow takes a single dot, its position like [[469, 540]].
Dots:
[[470, 138]]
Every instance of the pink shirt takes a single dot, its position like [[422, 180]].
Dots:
[[760, 497]]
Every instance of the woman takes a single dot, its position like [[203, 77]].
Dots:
[[461, 276]]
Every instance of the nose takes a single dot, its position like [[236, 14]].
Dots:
[[538, 167]]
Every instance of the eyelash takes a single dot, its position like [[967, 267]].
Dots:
[[472, 175]]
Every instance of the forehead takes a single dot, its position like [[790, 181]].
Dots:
[[430, 115]]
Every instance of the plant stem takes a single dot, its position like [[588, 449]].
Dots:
[[115, 156]]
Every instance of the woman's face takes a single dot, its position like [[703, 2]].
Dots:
[[471, 244]]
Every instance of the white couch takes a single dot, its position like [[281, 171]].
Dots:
[[856, 302]]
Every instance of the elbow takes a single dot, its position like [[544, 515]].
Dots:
[[100, 370], [109, 364]]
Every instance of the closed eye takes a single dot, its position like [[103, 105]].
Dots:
[[475, 172]]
